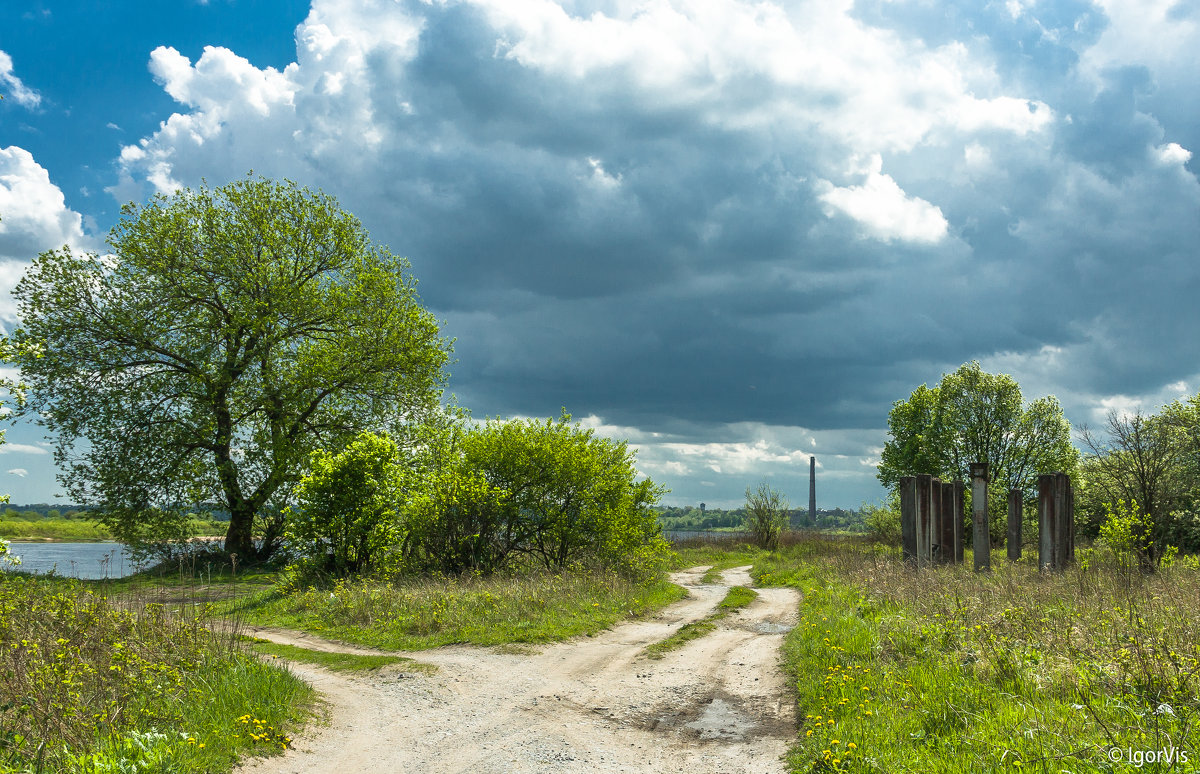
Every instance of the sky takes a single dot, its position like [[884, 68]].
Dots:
[[732, 233]]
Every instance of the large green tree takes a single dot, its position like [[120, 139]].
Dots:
[[230, 332], [973, 416]]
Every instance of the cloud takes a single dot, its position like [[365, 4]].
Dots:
[[884, 210], [22, 472], [16, 90], [676, 215], [21, 448], [33, 212], [33, 217]]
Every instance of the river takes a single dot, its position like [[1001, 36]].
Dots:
[[88, 561]]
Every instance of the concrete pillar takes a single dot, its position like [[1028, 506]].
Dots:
[[948, 536], [1015, 503], [982, 540], [1063, 523], [1046, 521], [908, 519], [924, 486], [960, 520]]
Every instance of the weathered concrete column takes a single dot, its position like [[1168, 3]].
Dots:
[[924, 485], [948, 536], [982, 540], [1015, 503], [960, 520], [1063, 522], [908, 519], [1070, 521], [1046, 521], [935, 521]]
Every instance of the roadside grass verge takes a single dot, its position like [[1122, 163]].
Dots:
[[737, 597], [419, 613], [943, 670], [337, 662], [89, 683]]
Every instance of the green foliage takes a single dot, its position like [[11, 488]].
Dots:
[[236, 330], [691, 518], [883, 521], [1152, 460], [91, 684], [766, 515], [1128, 535], [347, 516], [542, 490], [974, 416]]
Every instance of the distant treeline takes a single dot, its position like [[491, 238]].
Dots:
[[39, 511], [43, 511], [692, 517]]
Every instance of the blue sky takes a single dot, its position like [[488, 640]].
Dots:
[[732, 233]]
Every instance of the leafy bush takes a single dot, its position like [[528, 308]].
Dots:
[[766, 515], [883, 521], [547, 491], [348, 514]]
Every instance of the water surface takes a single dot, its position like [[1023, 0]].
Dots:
[[87, 561]]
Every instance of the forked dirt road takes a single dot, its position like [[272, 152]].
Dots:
[[718, 705]]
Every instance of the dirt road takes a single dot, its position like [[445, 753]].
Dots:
[[719, 705]]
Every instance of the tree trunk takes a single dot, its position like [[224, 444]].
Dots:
[[240, 537]]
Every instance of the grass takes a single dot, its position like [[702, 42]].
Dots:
[[737, 597], [338, 662], [944, 670], [82, 530], [92, 683], [420, 613]]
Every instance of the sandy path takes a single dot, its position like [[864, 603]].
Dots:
[[720, 704]]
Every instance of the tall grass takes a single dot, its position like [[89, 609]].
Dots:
[[944, 670], [90, 683], [421, 612]]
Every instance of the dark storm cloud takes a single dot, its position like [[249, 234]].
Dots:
[[726, 228]]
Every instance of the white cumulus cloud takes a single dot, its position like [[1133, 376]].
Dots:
[[14, 88], [33, 212], [884, 210], [34, 217]]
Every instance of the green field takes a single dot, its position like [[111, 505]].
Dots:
[[23, 525]]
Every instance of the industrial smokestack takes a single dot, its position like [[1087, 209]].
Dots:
[[812, 491]]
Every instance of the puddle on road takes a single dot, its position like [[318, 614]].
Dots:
[[717, 718], [721, 720]]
